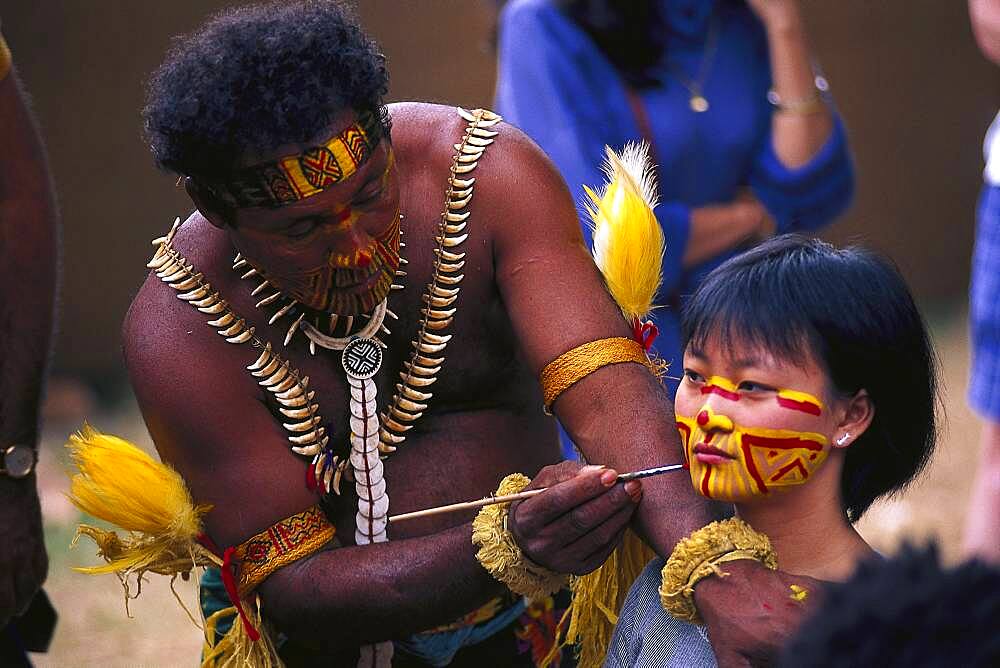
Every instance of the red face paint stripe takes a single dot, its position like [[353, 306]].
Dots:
[[797, 464], [685, 432], [704, 482], [780, 443], [804, 406], [722, 392], [752, 468]]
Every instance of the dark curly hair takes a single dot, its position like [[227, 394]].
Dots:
[[905, 611], [851, 311], [256, 77]]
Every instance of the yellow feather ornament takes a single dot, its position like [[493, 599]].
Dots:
[[117, 482], [628, 240]]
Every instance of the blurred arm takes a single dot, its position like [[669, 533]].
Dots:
[[985, 17], [28, 221]]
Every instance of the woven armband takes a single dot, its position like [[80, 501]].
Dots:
[[289, 540], [500, 555], [699, 555], [576, 364], [5, 59]]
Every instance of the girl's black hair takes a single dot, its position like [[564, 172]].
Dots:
[[630, 33], [851, 311], [254, 78]]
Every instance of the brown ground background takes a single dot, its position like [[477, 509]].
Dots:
[[914, 92]]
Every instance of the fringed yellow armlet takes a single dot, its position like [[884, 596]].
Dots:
[[499, 554], [698, 556], [5, 59], [574, 365]]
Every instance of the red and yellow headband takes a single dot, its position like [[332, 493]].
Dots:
[[309, 173]]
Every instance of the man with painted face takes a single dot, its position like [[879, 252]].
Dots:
[[382, 287]]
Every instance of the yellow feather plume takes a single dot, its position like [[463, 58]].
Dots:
[[628, 240], [122, 485]]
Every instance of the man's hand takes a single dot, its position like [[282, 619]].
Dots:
[[23, 562], [752, 612], [574, 525]]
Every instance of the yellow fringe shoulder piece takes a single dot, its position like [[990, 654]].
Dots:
[[117, 482], [597, 599], [628, 240]]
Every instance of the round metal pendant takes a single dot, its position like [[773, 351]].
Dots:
[[361, 358], [698, 103]]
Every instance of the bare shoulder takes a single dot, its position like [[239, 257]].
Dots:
[[516, 183]]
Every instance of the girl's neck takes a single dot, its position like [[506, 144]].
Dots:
[[810, 535]]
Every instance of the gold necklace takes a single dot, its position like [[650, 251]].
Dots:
[[695, 88]]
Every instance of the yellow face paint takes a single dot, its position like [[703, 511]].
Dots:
[[728, 462]]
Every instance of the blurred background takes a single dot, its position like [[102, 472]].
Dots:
[[915, 94]]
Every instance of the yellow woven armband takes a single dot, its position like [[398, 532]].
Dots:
[[576, 364], [289, 540], [499, 554], [5, 59], [699, 555]]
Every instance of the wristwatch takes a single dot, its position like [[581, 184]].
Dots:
[[18, 460]]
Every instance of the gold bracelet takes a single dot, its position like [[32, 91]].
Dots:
[[500, 555], [576, 364], [699, 555], [6, 60]]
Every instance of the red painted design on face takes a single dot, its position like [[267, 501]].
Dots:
[[702, 418], [751, 440], [721, 391], [804, 406]]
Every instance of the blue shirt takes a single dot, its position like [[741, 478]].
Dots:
[[984, 307], [556, 86]]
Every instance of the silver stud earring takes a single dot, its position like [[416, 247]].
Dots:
[[843, 439]]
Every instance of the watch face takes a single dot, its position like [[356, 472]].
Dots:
[[18, 460]]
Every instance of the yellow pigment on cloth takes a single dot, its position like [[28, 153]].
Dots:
[[115, 481], [628, 239]]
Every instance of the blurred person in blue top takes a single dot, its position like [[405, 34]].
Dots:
[[740, 123], [982, 530]]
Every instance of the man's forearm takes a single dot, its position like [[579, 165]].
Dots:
[[27, 266], [358, 595], [620, 416]]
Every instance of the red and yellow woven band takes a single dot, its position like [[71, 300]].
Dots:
[[5, 59], [574, 365], [309, 173], [286, 542]]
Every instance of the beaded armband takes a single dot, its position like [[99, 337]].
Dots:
[[500, 555], [574, 365], [289, 540], [698, 556]]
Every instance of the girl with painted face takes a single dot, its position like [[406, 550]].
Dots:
[[808, 392]]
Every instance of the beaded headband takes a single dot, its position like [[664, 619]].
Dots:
[[309, 173]]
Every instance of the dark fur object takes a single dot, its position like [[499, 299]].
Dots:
[[257, 77], [905, 611]]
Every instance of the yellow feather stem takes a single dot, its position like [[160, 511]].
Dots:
[[628, 240], [117, 482]]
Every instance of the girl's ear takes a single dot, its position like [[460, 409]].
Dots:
[[858, 416]]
